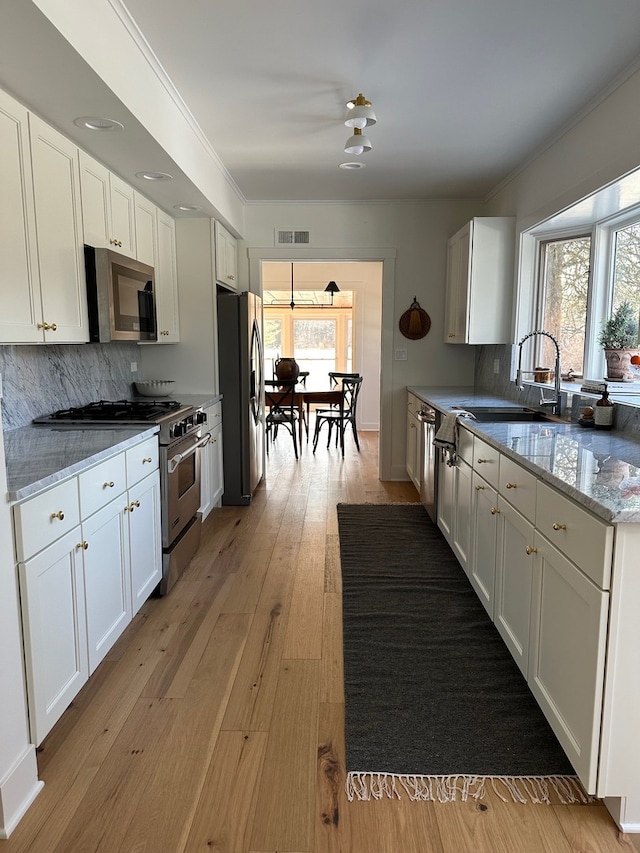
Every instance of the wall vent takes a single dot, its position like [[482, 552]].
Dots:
[[288, 237]]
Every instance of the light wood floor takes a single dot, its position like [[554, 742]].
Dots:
[[216, 723]]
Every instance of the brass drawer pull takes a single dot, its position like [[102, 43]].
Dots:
[[559, 526], [531, 550], [108, 485], [84, 545], [59, 515], [512, 485]]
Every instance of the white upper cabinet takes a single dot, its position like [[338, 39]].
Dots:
[[146, 230], [167, 281], [58, 220], [107, 208], [226, 256], [20, 308], [480, 277]]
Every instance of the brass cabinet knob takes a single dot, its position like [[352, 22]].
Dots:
[[452, 334], [128, 508], [511, 485], [84, 545], [135, 503], [53, 327], [413, 426], [47, 327], [108, 485], [495, 510], [165, 332], [479, 488], [530, 550], [116, 243], [147, 459], [59, 515], [232, 277], [559, 526]]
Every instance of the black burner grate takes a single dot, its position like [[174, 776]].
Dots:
[[117, 410]]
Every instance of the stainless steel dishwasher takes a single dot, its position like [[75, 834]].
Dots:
[[430, 420]]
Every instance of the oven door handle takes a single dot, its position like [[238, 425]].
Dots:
[[173, 463]]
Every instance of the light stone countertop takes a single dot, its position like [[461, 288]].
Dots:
[[599, 469], [38, 456]]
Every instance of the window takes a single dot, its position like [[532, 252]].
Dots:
[[626, 267], [563, 301], [314, 344]]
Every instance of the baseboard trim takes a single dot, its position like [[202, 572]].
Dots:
[[18, 790]]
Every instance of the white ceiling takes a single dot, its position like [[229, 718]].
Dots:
[[464, 90]]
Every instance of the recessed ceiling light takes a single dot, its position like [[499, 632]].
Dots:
[[352, 166], [154, 176], [96, 123], [186, 207]]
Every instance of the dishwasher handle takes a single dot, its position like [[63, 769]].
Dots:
[[426, 417]]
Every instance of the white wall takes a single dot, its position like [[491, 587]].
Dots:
[[418, 232], [18, 772]]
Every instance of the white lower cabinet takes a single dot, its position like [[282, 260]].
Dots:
[[462, 539], [106, 579], [54, 626], [446, 496], [81, 583], [567, 655], [144, 539], [484, 526], [211, 463]]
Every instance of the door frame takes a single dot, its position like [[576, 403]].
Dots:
[[387, 256]]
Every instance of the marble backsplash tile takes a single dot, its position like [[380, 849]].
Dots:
[[626, 417], [39, 380]]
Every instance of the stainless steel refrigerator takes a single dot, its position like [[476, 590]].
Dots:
[[240, 359]]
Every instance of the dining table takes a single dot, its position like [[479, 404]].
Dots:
[[303, 397]]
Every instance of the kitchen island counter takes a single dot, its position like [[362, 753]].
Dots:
[[38, 456], [599, 469]]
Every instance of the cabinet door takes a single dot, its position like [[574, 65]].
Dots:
[[144, 539], [167, 281], [226, 256], [54, 628], [413, 431], [123, 229], [96, 202], [56, 187], [566, 663], [484, 526], [514, 573], [146, 230], [446, 496], [458, 273], [462, 539], [20, 306], [217, 469], [106, 578]]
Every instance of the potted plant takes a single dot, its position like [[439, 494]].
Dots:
[[619, 339]]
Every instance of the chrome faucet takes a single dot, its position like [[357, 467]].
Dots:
[[556, 401]]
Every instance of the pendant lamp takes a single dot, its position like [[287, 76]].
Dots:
[[332, 288]]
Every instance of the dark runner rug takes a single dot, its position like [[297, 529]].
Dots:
[[436, 708]]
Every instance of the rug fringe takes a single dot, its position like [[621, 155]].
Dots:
[[448, 789]]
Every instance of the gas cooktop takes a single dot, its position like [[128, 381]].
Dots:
[[117, 411]]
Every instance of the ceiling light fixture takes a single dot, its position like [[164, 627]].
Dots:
[[351, 167], [360, 113], [103, 125], [154, 176], [332, 288], [358, 143], [186, 207]]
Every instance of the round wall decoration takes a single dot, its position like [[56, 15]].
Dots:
[[415, 322]]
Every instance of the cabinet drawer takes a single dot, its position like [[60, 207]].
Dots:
[[141, 460], [101, 484], [41, 520], [518, 486], [486, 460], [465, 445], [580, 536]]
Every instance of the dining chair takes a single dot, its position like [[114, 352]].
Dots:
[[340, 417], [282, 410]]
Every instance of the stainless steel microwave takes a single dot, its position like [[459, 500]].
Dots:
[[120, 297]]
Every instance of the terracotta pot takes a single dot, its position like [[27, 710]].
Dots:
[[287, 369], [619, 364]]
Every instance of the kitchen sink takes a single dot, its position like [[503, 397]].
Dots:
[[512, 414]]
